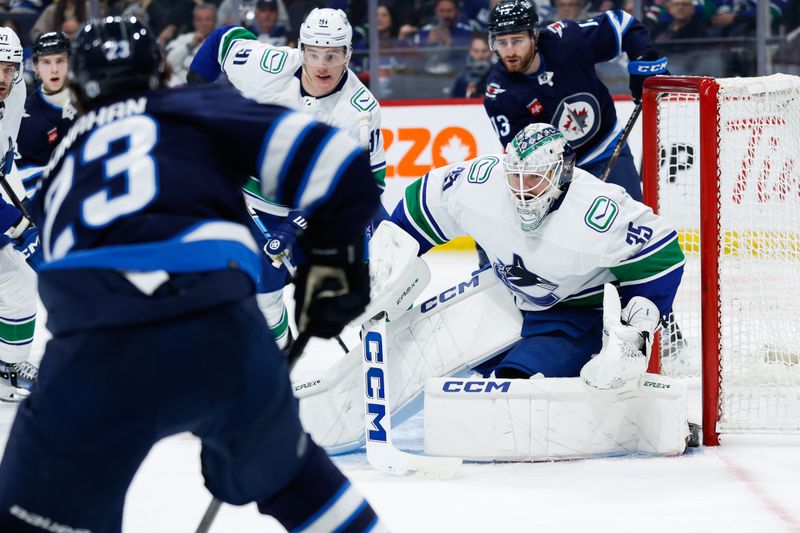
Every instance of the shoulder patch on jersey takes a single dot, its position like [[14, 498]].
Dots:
[[363, 100], [273, 60], [481, 169], [492, 90], [557, 27], [601, 214]]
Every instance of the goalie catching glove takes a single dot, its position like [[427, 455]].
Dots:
[[331, 289], [627, 340]]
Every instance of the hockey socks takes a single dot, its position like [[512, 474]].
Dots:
[[321, 499]]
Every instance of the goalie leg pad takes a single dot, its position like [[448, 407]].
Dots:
[[453, 331], [553, 418]]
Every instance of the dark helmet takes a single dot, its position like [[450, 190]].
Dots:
[[113, 56], [50, 42], [511, 16]]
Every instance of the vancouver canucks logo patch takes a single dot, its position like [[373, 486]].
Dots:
[[601, 214], [529, 285], [578, 118]]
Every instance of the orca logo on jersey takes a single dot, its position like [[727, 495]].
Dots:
[[578, 118], [515, 276]]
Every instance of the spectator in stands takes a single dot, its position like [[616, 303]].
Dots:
[[681, 23], [477, 13], [30, 7], [129, 8], [66, 16], [389, 38], [471, 83], [735, 18], [178, 21], [446, 30], [242, 13], [571, 10], [266, 26], [181, 50]]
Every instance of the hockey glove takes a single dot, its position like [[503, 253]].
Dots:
[[331, 289], [282, 237], [646, 65], [28, 245]]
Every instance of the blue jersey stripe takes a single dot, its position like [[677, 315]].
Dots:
[[171, 256]]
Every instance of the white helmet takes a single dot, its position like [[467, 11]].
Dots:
[[326, 27], [538, 164], [10, 47]]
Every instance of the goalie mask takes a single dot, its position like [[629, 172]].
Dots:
[[538, 165]]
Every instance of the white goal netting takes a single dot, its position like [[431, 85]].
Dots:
[[756, 208]]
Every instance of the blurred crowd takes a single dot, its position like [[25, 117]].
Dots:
[[438, 48]]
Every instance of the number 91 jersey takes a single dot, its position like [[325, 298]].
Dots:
[[596, 233]]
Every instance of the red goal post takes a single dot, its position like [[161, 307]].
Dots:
[[720, 160]]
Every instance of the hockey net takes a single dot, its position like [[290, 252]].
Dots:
[[721, 161]]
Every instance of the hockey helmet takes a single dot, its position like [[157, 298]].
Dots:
[[538, 165], [10, 46], [328, 28], [511, 16], [50, 42], [115, 56]]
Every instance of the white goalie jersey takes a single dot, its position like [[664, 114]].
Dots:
[[595, 234], [271, 75]]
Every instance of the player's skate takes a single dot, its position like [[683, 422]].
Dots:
[[16, 380]]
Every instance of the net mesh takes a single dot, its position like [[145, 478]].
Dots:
[[758, 212]]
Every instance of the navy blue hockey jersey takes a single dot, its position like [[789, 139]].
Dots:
[[43, 126], [566, 91], [153, 182]]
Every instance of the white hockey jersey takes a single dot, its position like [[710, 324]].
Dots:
[[13, 107], [271, 75], [595, 234]]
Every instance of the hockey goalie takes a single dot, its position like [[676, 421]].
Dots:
[[541, 355]]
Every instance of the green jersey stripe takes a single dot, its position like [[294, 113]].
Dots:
[[413, 209], [380, 177], [653, 265], [17, 332], [234, 34]]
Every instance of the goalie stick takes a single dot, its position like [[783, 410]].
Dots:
[[381, 451]]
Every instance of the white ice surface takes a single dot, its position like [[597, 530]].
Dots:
[[750, 483]]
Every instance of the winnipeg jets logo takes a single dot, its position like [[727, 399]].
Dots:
[[493, 89], [526, 284], [578, 118]]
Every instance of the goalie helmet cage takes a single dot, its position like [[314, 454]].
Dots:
[[721, 161]]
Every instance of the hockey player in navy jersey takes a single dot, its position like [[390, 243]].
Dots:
[[549, 76], [149, 288], [48, 111]]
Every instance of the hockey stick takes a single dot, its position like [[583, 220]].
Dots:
[[621, 142], [381, 452], [7, 186], [284, 260]]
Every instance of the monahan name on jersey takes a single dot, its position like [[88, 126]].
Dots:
[[595, 234], [565, 91]]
